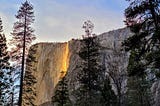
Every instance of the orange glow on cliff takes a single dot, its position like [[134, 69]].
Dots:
[[65, 61]]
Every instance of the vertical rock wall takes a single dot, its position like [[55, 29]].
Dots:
[[51, 59], [109, 41]]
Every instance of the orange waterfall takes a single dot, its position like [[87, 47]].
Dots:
[[65, 61]]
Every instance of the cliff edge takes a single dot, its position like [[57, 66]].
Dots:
[[50, 59]]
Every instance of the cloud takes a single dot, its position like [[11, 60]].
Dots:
[[6, 22], [61, 22], [7, 14]]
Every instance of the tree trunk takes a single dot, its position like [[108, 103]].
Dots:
[[23, 59]]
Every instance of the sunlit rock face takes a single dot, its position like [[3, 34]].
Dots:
[[53, 58]]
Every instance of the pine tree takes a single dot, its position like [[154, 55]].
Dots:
[[109, 97], [61, 95], [14, 86], [29, 89], [143, 19], [137, 93], [90, 68], [4, 70], [22, 37]]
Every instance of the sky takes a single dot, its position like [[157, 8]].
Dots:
[[62, 20]]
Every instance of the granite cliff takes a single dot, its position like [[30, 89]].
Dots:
[[50, 60], [53, 58]]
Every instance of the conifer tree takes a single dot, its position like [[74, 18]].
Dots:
[[61, 95], [22, 37], [90, 68], [4, 70], [29, 89], [109, 97], [143, 19], [137, 93]]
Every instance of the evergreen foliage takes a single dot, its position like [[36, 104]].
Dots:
[[61, 95], [89, 71], [109, 97], [22, 37], [93, 88], [29, 88], [5, 80], [138, 93], [143, 19], [91, 67]]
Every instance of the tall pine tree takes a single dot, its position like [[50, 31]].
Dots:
[[143, 19], [90, 69], [4, 70], [22, 37], [61, 94]]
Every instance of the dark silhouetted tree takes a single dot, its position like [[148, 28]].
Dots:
[[22, 37], [109, 97], [143, 19], [29, 88], [137, 94], [4, 70], [61, 94], [90, 69]]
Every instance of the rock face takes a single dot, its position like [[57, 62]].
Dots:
[[109, 41], [53, 58], [156, 93]]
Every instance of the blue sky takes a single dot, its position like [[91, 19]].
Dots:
[[62, 20]]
